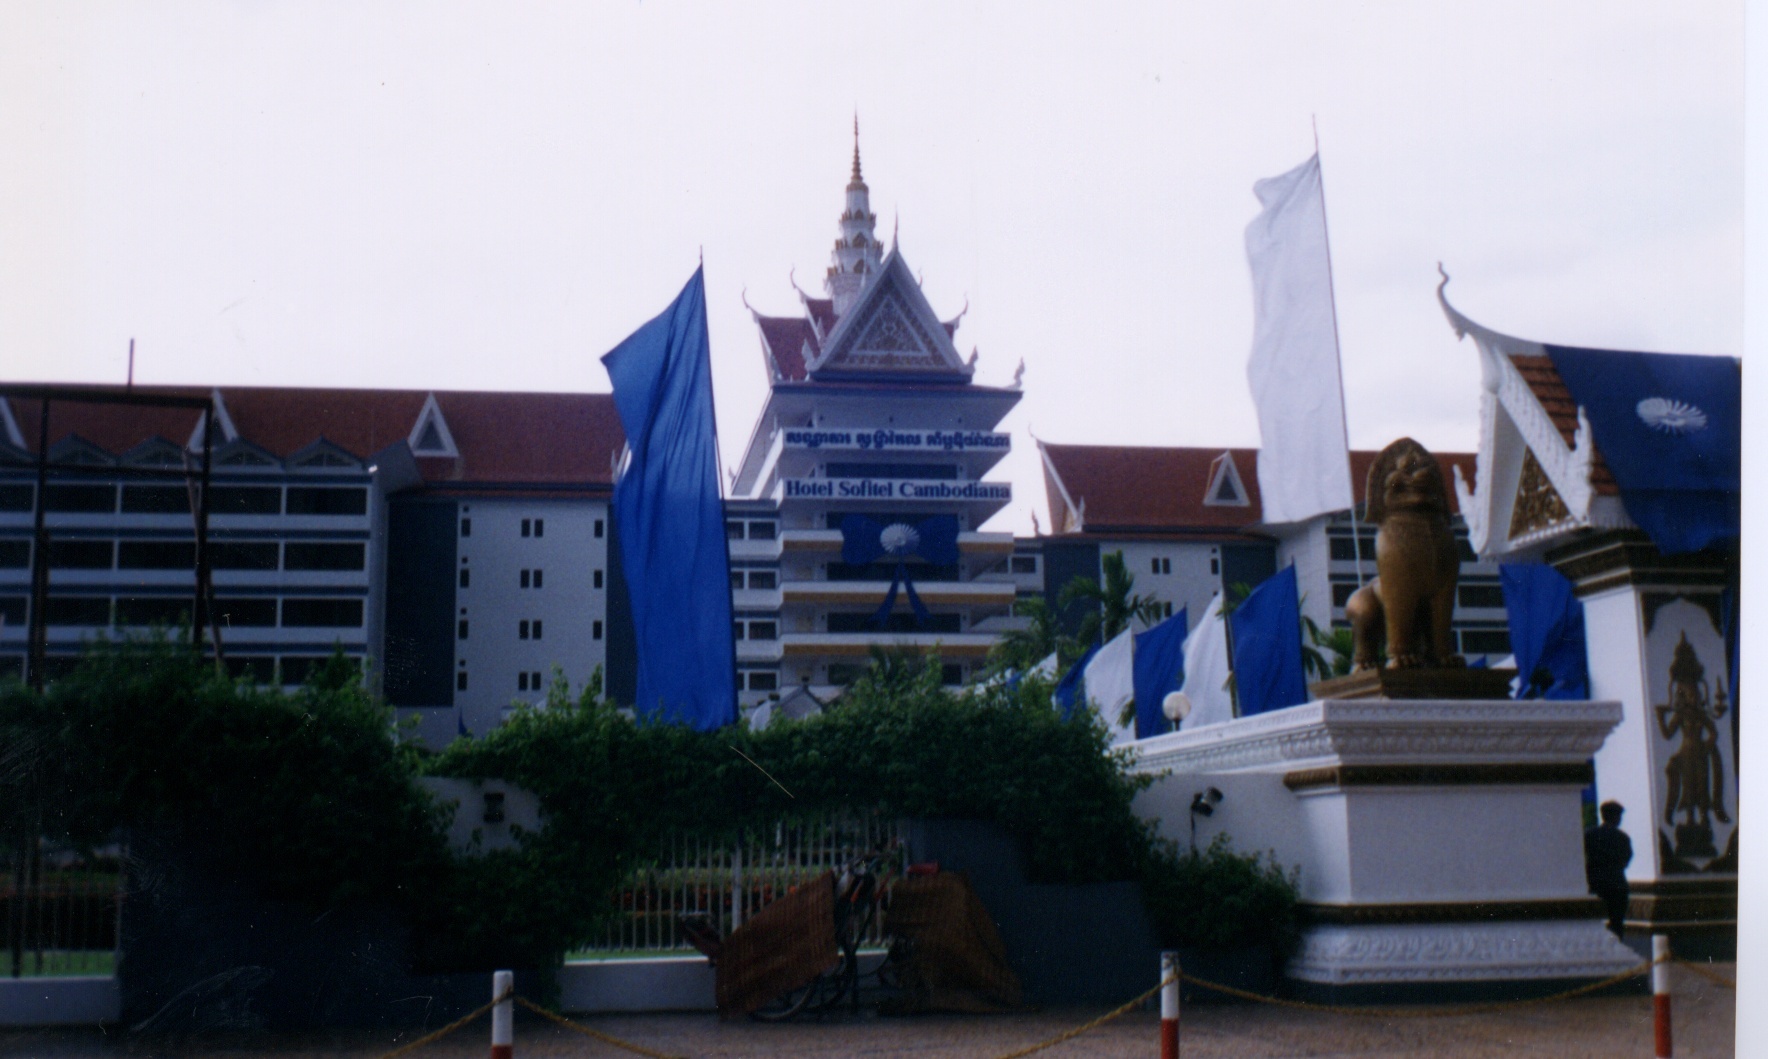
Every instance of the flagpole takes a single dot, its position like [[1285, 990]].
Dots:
[[1338, 349]]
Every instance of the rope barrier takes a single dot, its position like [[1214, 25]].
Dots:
[[605, 1038], [1711, 976], [430, 1038], [1069, 1035], [1418, 1013]]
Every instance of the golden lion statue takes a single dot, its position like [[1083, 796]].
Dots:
[[1412, 599]]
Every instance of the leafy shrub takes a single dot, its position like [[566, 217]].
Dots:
[[1220, 899]]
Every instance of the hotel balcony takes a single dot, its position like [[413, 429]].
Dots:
[[952, 645], [872, 593]]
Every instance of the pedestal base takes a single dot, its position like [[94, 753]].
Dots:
[[1415, 684], [1419, 954]]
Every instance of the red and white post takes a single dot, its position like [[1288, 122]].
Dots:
[[1660, 994], [1169, 1005], [503, 1016]]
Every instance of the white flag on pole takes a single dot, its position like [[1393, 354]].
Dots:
[[1206, 671], [1303, 461], [1110, 684]]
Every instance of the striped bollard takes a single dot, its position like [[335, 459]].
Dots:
[[503, 1016], [1660, 994], [1169, 1005]]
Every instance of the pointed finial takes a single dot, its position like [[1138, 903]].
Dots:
[[856, 177]]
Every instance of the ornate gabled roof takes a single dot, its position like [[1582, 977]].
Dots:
[[891, 332], [1538, 476]]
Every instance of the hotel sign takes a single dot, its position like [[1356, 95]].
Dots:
[[900, 440], [915, 489]]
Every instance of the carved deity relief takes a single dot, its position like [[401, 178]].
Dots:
[[1537, 504], [1689, 716]]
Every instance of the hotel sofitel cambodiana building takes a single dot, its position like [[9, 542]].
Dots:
[[871, 412]]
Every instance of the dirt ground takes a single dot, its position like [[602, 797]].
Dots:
[[1602, 1028]]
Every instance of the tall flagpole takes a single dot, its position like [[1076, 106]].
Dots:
[[1338, 348]]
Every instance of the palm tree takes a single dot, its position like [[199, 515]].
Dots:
[[1022, 649], [1110, 607]]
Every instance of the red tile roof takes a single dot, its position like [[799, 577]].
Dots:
[[1549, 389], [823, 311], [539, 438], [785, 338], [1161, 490]]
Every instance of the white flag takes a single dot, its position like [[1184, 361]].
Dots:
[[1303, 462], [1110, 683], [1206, 671]]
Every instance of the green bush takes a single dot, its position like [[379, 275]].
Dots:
[[1219, 899]]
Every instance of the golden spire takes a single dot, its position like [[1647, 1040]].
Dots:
[[857, 179]]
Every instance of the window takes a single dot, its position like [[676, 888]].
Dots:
[[527, 527], [77, 610], [321, 613], [1466, 550], [764, 630], [763, 531], [253, 612], [522, 630], [1342, 591], [460, 681], [15, 554], [1215, 565], [733, 530], [466, 577], [897, 622], [595, 630], [736, 579], [324, 500], [538, 577], [950, 674], [466, 527], [598, 528], [765, 579], [153, 610], [84, 499], [463, 629], [1167, 610], [308, 556], [522, 681], [156, 500], [1024, 564], [15, 497], [1481, 595], [245, 500], [1485, 642], [1160, 566], [259, 669], [540, 527], [80, 555], [12, 610], [527, 579], [232, 555], [737, 629], [764, 681], [537, 628], [155, 555], [598, 579]]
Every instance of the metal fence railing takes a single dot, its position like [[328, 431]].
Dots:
[[59, 911], [731, 882]]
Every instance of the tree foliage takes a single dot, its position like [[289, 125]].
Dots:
[[1111, 605]]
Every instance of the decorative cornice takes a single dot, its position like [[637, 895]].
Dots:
[[1388, 732], [1576, 775], [1602, 561], [1453, 911]]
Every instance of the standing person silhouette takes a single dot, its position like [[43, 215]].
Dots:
[[1607, 852]]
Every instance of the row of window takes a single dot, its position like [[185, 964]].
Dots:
[[757, 680], [755, 630], [754, 579], [181, 555], [259, 669], [89, 499], [531, 527], [249, 612], [1344, 548], [737, 530], [533, 577], [1475, 594], [845, 673]]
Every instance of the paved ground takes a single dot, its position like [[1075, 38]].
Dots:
[[1573, 1029]]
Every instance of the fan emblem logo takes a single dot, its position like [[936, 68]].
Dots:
[[899, 538], [1671, 417]]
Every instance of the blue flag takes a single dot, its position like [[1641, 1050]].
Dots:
[[866, 540], [1159, 670], [1068, 691], [1267, 646], [1670, 429], [1546, 632], [671, 520]]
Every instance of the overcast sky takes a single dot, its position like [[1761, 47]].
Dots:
[[438, 195]]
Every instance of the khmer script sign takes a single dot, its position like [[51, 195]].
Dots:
[[900, 440]]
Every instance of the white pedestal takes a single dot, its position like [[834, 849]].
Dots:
[[1439, 841]]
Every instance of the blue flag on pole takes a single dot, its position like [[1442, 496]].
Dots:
[[1670, 429], [1159, 670], [1546, 632], [1068, 691], [1267, 646], [671, 519]]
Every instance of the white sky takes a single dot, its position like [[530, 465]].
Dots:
[[441, 195]]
